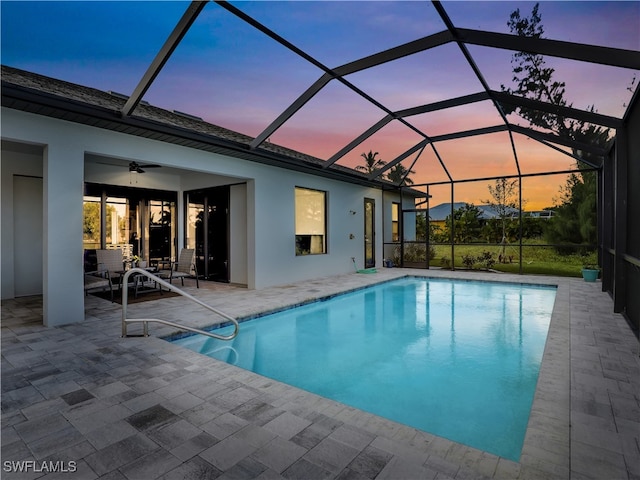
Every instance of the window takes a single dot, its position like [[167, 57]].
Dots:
[[162, 229], [138, 221], [311, 221], [91, 222], [395, 222], [118, 229]]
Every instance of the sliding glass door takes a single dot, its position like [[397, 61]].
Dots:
[[140, 222], [208, 231]]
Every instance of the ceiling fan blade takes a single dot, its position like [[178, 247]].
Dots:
[[136, 167], [110, 164]]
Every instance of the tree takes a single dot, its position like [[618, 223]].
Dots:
[[371, 162], [504, 200], [421, 225], [576, 216], [573, 221], [533, 79], [91, 222], [466, 223], [399, 174]]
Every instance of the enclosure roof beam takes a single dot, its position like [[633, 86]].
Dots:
[[404, 50], [476, 70], [320, 83], [562, 111], [567, 142], [569, 154], [509, 177], [358, 140], [291, 110], [615, 57], [502, 97], [470, 133], [444, 104], [408, 170], [431, 107], [398, 159], [176, 36]]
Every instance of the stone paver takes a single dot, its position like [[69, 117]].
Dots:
[[139, 408]]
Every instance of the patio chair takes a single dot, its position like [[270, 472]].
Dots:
[[95, 280], [185, 267], [126, 249], [110, 265]]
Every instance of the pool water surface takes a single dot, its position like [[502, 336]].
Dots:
[[458, 359]]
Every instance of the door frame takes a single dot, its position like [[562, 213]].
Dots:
[[369, 229]]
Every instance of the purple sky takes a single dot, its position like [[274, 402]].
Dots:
[[234, 76]]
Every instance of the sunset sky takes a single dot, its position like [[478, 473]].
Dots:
[[232, 75]]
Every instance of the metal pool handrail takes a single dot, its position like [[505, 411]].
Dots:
[[145, 321]]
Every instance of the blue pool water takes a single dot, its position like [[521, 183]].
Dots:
[[458, 359]]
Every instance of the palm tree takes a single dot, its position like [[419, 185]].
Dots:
[[371, 162], [398, 172]]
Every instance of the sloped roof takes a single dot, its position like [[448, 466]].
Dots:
[[48, 96]]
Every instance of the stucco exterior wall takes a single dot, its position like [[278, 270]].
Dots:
[[27, 162], [267, 222]]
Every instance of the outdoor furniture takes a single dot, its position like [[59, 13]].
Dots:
[[185, 267], [110, 264], [126, 249], [95, 280], [142, 283]]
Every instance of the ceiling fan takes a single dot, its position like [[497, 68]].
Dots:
[[135, 167]]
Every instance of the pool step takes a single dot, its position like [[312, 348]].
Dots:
[[245, 342], [241, 351]]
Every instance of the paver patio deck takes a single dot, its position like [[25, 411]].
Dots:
[[81, 398]]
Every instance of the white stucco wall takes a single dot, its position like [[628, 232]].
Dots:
[[27, 162], [275, 221], [63, 183], [238, 235], [269, 221]]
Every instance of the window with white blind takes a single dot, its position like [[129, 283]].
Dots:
[[311, 221]]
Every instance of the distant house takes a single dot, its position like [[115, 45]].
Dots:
[[545, 214], [439, 213]]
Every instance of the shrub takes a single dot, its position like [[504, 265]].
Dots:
[[468, 260], [414, 253], [486, 260]]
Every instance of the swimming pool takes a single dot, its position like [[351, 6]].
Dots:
[[458, 359]]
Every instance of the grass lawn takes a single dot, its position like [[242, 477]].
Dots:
[[535, 259]]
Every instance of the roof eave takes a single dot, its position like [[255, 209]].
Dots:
[[42, 103]]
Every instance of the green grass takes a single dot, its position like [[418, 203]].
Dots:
[[535, 259]]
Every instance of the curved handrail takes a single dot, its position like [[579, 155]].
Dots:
[[125, 320]]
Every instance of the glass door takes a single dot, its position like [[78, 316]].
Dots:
[[208, 231], [161, 229], [195, 229], [140, 222], [369, 233]]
